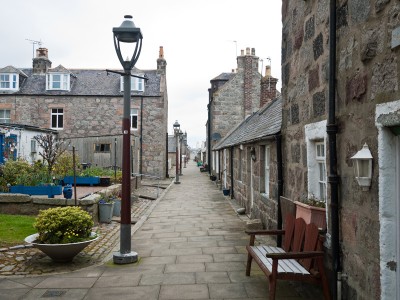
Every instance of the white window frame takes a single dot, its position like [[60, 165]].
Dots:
[[320, 157], [9, 81], [5, 116], [267, 162], [63, 80], [33, 146], [137, 84], [134, 112], [57, 114]]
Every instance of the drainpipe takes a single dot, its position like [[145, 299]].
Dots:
[[332, 130], [141, 138], [231, 163], [278, 139], [166, 156], [209, 131]]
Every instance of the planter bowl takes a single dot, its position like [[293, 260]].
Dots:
[[59, 252], [226, 192]]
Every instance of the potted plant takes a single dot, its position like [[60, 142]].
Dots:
[[62, 232], [312, 210], [106, 207]]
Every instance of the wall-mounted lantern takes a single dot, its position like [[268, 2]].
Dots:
[[363, 167]]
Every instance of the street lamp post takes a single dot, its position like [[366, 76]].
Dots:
[[180, 151], [176, 133], [126, 33]]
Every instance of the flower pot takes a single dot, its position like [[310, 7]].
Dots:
[[311, 214], [117, 208], [226, 192], [60, 252], [213, 177], [105, 212]]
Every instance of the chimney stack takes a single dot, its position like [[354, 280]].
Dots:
[[268, 87], [161, 62], [41, 63]]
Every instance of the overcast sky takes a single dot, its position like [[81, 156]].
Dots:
[[201, 40]]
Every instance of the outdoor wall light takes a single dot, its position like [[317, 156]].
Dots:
[[126, 33], [363, 167]]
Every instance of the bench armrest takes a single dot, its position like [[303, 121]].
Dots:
[[295, 255], [265, 232]]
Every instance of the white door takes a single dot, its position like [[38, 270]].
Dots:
[[225, 168]]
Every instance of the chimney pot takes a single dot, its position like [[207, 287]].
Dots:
[[161, 52], [268, 71], [247, 51], [253, 51], [242, 52], [42, 52]]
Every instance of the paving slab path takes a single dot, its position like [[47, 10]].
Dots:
[[190, 246]]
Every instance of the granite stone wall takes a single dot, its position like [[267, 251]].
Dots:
[[367, 75]]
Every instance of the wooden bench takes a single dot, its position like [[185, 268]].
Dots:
[[298, 259]]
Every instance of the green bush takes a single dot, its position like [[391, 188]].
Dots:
[[64, 165], [63, 225]]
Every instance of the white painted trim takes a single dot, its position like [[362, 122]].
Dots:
[[387, 202]]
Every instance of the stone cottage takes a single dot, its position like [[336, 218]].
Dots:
[[232, 97], [340, 73], [85, 106]]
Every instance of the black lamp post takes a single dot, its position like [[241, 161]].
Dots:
[[176, 133], [126, 33], [180, 151]]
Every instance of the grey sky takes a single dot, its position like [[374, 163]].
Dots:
[[197, 36]]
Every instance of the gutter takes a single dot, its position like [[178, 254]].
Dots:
[[332, 130], [231, 163]]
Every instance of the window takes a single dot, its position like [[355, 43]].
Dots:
[[5, 116], [134, 118], [320, 158], [57, 118], [266, 170], [33, 146], [315, 134], [102, 147], [8, 81], [137, 84], [57, 81]]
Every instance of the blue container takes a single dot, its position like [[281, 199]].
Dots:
[[49, 190], [82, 180], [67, 192]]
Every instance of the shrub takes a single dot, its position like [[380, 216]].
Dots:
[[63, 225], [64, 165]]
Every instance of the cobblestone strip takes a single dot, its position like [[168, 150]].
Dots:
[[26, 260]]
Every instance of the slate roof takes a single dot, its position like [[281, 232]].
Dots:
[[87, 82], [11, 69], [260, 125], [224, 76], [27, 127]]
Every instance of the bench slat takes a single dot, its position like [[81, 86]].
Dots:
[[284, 265]]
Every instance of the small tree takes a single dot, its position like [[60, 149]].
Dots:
[[52, 149]]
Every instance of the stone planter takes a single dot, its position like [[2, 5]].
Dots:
[[311, 214], [59, 252], [106, 212]]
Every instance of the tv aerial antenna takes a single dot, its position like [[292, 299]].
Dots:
[[33, 42]]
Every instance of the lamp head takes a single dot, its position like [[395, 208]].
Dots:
[[128, 33], [177, 126]]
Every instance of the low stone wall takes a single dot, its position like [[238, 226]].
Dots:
[[19, 204]]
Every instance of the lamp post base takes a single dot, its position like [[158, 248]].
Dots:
[[125, 258], [177, 182]]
